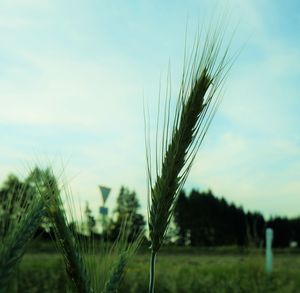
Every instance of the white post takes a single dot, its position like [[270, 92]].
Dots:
[[269, 255]]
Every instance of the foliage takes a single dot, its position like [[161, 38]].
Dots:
[[283, 231], [181, 219], [202, 219], [21, 192], [127, 211], [256, 226], [89, 218]]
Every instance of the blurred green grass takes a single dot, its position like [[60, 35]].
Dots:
[[178, 270]]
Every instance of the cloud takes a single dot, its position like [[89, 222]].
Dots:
[[7, 4], [251, 172], [90, 114], [61, 90], [74, 89], [251, 153]]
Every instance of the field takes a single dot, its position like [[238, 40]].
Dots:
[[181, 270]]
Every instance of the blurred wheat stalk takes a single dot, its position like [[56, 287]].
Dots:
[[21, 217], [88, 269], [198, 99]]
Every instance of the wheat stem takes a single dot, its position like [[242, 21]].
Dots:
[[152, 272]]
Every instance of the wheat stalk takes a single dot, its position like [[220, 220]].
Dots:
[[88, 272], [69, 245], [125, 251], [197, 102]]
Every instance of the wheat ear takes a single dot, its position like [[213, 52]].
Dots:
[[124, 250], [196, 106], [19, 232], [68, 244]]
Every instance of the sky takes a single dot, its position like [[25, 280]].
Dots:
[[73, 77]]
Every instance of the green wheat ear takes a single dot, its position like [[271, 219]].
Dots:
[[196, 105], [124, 250], [65, 239], [17, 229]]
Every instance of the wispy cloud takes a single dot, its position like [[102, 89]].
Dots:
[[72, 86]]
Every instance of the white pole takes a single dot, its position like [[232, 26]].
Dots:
[[269, 255]]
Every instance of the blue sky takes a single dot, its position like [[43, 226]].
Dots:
[[73, 78]]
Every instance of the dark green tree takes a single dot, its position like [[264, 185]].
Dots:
[[283, 231], [11, 189], [38, 181], [255, 229], [16, 193], [181, 219], [126, 212], [204, 220], [13, 195], [89, 218]]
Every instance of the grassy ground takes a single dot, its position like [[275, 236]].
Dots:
[[178, 271]]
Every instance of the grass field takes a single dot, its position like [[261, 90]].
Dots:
[[177, 271]]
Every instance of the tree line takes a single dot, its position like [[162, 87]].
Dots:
[[200, 218]]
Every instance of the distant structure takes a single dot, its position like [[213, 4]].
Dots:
[[103, 210], [269, 254], [105, 193]]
